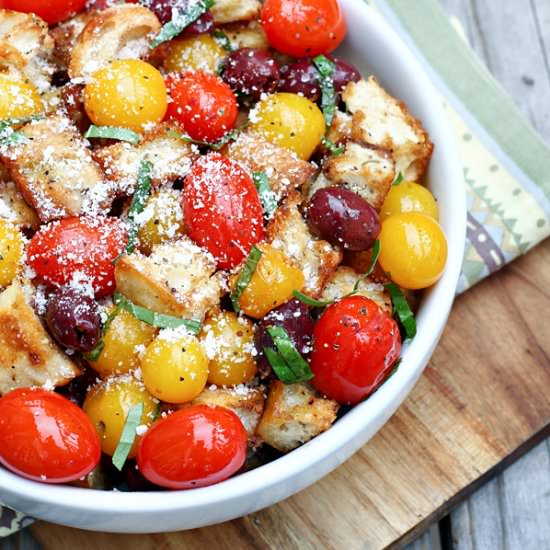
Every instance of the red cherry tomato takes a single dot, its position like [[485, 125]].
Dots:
[[303, 27], [193, 447], [222, 209], [78, 248], [52, 11], [355, 345], [45, 437], [203, 104]]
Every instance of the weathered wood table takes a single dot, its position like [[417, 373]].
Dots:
[[483, 402]]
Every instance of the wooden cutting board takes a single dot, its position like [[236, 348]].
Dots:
[[483, 401]]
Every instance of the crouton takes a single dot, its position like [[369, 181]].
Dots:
[[171, 157], [246, 402], [289, 233], [55, 171], [229, 11], [249, 34], [26, 47], [28, 356], [341, 128], [294, 414], [343, 280], [14, 209], [381, 120], [367, 171], [65, 35], [178, 279], [286, 171], [120, 32]]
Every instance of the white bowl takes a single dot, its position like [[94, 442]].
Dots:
[[375, 48]]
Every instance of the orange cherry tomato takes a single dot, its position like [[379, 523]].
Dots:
[[355, 345], [78, 247], [52, 11], [193, 447], [222, 209], [303, 27], [203, 104], [45, 437]]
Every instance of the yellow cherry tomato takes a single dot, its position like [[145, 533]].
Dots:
[[108, 403], [290, 121], [229, 344], [272, 283], [409, 196], [163, 220], [124, 341], [199, 53], [18, 98], [175, 367], [413, 249], [128, 93], [11, 252]]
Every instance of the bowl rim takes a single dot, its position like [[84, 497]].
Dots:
[[341, 434]]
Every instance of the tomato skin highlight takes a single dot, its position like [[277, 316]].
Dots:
[[222, 209], [52, 11], [203, 104], [45, 437], [355, 345], [193, 447], [303, 27], [75, 246]]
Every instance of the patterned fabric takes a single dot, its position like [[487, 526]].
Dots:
[[506, 164]]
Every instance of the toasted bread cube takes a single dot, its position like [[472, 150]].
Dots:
[[171, 157], [28, 356], [341, 127], [229, 11], [65, 35], [367, 171], [342, 281], [283, 167], [14, 209], [246, 402], [381, 120], [294, 414], [249, 34], [55, 171], [120, 32], [177, 279], [289, 233]]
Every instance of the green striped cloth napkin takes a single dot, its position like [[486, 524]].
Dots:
[[506, 164]]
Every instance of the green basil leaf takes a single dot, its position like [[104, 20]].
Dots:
[[180, 21], [8, 136], [325, 68], [374, 258], [230, 136], [158, 320], [112, 132], [310, 301], [223, 40], [335, 150], [400, 178], [245, 276], [267, 196], [287, 363], [128, 437], [94, 354], [401, 310]]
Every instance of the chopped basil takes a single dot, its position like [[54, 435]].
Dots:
[[267, 196], [287, 363], [141, 194], [399, 179], [96, 352], [112, 132], [310, 301], [8, 136], [334, 149], [245, 276], [401, 310], [325, 68], [230, 136], [223, 40], [181, 20], [128, 436], [158, 320]]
